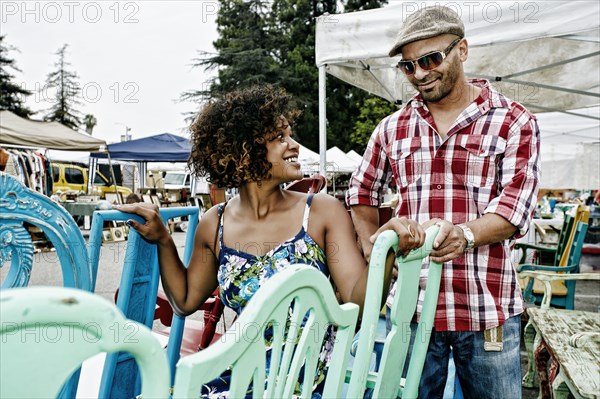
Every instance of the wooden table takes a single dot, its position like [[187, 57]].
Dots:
[[578, 362]]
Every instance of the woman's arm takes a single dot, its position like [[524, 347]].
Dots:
[[347, 266], [187, 288]]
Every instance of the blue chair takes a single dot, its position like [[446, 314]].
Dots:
[[19, 205], [137, 294], [47, 332], [563, 295]]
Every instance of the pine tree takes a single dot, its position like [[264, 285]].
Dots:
[[274, 42], [89, 122], [64, 82], [12, 96]]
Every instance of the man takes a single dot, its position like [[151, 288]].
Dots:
[[465, 157]]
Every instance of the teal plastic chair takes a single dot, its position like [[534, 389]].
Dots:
[[19, 204], [137, 294], [386, 382], [243, 349], [566, 301], [47, 332]]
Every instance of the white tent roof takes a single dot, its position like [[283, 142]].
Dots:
[[570, 149], [338, 161], [355, 156], [546, 54], [18, 131]]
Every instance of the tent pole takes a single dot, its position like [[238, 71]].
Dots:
[[322, 124], [114, 179]]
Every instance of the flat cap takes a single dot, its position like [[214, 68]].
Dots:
[[426, 23]]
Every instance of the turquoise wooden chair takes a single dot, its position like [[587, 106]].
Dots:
[[386, 382], [47, 332], [19, 204], [551, 249], [137, 293], [242, 348], [564, 291]]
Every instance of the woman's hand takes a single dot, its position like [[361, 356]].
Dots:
[[410, 233], [153, 229]]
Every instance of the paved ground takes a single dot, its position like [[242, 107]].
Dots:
[[46, 271]]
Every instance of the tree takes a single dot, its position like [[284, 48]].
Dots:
[[64, 82], [12, 96], [373, 110], [269, 42], [89, 121]]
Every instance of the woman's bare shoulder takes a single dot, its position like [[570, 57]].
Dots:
[[208, 224]]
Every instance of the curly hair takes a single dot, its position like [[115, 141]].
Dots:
[[229, 135]]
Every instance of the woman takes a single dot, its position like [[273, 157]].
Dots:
[[244, 140]]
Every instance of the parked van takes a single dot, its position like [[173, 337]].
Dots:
[[68, 177], [176, 184]]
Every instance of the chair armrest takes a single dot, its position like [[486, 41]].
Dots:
[[557, 269], [538, 247], [580, 339], [546, 277]]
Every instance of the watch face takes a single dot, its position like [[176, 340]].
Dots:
[[468, 234]]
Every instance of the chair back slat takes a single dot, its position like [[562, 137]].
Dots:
[[563, 238]]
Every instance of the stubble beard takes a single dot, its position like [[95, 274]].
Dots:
[[443, 88]]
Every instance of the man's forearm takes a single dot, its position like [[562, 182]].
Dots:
[[366, 223], [490, 229]]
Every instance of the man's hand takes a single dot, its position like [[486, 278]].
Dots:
[[450, 242], [410, 233]]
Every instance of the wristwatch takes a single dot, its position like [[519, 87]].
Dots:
[[468, 234]]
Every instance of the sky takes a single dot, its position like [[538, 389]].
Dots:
[[133, 58]]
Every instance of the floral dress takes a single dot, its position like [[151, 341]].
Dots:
[[241, 274]]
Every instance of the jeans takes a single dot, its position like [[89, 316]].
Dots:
[[490, 375]]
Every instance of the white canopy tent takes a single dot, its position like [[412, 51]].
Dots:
[[355, 156], [26, 133], [339, 162], [21, 132], [570, 149], [545, 55]]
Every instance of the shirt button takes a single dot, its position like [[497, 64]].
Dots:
[[439, 186]]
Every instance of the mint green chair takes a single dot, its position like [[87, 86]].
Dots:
[[243, 348], [47, 332], [386, 382]]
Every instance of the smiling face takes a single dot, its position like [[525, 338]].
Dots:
[[439, 83], [282, 153]]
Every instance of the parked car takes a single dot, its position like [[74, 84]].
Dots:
[[68, 177], [176, 184]]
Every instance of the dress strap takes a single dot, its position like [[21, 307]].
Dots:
[[307, 211], [221, 211]]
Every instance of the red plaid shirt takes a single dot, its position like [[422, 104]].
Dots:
[[488, 163]]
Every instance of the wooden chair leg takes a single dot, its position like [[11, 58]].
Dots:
[[530, 379], [560, 389], [541, 361]]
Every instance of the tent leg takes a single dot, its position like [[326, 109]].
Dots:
[[322, 124]]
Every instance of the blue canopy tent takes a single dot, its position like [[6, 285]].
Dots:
[[165, 147]]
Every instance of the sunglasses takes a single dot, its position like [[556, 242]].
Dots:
[[428, 61]]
